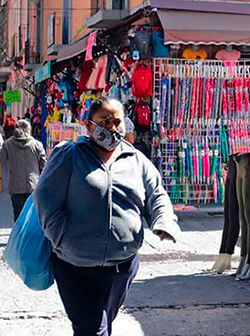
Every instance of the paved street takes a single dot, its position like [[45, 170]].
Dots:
[[172, 294]]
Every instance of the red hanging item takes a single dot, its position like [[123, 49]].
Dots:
[[10, 122], [142, 81], [87, 68], [142, 114]]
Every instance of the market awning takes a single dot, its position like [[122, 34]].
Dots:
[[73, 49], [204, 28]]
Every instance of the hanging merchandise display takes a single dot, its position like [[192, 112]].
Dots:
[[36, 117], [129, 76], [201, 116], [57, 132], [66, 105]]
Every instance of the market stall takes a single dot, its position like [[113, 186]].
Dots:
[[201, 116]]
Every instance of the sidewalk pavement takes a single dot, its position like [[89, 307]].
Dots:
[[171, 295]]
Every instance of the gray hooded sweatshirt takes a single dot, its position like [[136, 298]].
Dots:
[[26, 159], [93, 214]]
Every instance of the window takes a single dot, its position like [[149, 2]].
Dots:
[[119, 4], [66, 21]]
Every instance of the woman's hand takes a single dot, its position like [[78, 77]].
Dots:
[[164, 235]]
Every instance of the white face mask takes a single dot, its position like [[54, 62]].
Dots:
[[107, 139]]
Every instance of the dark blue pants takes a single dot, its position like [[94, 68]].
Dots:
[[18, 201], [92, 296]]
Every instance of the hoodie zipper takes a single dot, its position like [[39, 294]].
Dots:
[[109, 210]]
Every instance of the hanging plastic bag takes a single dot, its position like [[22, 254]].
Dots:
[[28, 251]]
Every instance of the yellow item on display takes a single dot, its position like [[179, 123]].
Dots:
[[56, 135], [56, 115], [48, 121], [85, 97], [75, 135], [190, 53]]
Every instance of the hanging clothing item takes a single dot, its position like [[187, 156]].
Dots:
[[159, 49], [141, 44], [90, 44], [86, 72], [97, 77], [225, 55], [190, 53]]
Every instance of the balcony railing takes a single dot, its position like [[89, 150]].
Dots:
[[109, 13]]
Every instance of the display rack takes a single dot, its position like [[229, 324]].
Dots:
[[57, 132], [200, 116]]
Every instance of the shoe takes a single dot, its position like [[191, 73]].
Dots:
[[222, 263], [245, 273]]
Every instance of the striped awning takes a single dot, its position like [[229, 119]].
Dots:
[[190, 27]]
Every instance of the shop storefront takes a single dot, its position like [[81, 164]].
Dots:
[[201, 98], [183, 81], [55, 106]]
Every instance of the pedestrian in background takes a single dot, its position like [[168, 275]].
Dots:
[[27, 115], [26, 158], [91, 199], [9, 125], [137, 141], [130, 128]]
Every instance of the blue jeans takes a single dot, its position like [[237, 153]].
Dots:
[[92, 296]]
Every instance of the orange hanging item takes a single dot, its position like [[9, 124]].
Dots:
[[190, 53]]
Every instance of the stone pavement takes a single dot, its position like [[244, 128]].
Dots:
[[171, 295]]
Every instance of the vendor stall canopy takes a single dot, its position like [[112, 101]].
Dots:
[[218, 22], [186, 27]]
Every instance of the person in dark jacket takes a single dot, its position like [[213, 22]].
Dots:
[[26, 158], [91, 200]]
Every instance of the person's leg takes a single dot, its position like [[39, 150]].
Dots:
[[242, 218], [122, 278], [233, 212], [246, 200], [18, 201], [231, 221], [82, 294], [15, 205], [226, 212]]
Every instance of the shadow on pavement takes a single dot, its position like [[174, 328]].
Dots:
[[169, 295], [200, 221]]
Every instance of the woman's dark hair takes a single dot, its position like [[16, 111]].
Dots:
[[99, 102], [95, 106]]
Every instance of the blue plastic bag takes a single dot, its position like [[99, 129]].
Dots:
[[28, 251]]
